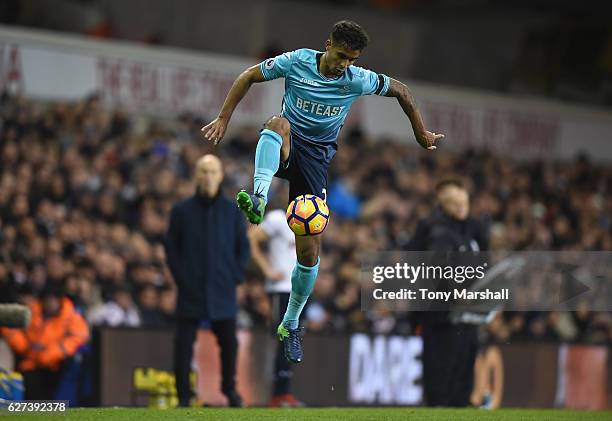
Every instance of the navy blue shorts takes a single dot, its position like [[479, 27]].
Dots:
[[305, 169]]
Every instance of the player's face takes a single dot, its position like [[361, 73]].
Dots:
[[338, 57]]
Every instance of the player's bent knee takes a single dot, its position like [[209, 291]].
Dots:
[[280, 125]]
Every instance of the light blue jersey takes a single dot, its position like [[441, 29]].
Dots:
[[316, 106]]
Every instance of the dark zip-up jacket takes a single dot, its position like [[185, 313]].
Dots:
[[207, 251]]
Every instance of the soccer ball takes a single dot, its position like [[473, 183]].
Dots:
[[307, 215]]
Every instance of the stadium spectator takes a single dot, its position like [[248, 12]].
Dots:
[[119, 311], [82, 292], [255, 307], [320, 306], [44, 349], [148, 305], [207, 251]]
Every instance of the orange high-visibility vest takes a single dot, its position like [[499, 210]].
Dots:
[[45, 343]]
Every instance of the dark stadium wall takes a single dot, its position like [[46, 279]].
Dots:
[[354, 370], [530, 375], [121, 352]]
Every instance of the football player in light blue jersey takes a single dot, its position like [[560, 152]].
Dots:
[[299, 144]]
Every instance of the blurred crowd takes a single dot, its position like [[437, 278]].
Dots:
[[85, 194]]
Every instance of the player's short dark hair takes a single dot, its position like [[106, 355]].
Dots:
[[349, 34], [448, 182]]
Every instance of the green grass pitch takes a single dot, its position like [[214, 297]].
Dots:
[[316, 414]]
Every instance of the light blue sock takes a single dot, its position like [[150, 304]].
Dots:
[[267, 160], [302, 281]]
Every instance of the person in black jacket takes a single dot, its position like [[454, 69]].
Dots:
[[449, 346], [207, 251]]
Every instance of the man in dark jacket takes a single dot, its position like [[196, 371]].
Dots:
[[449, 346], [207, 251]]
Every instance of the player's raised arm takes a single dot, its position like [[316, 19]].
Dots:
[[400, 91], [215, 130]]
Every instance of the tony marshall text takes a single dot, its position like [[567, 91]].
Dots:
[[426, 294]]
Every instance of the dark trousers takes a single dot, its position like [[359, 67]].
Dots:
[[185, 335], [449, 353], [282, 368], [41, 384]]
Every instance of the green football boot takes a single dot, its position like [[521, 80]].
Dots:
[[253, 206]]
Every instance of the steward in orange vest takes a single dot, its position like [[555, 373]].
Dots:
[[55, 334]]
